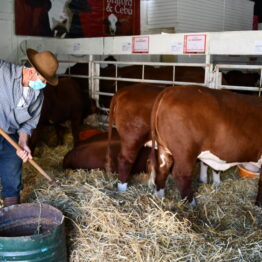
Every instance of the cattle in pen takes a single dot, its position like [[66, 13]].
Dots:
[[91, 154], [220, 128], [130, 111]]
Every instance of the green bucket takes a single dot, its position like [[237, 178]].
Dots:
[[32, 232]]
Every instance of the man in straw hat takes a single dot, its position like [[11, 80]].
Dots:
[[21, 99]]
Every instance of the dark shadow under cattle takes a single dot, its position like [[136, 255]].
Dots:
[[91, 154], [61, 103]]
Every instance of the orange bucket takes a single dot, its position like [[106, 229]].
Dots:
[[245, 173], [83, 135]]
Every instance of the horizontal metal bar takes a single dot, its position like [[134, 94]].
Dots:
[[103, 93], [151, 63], [239, 66], [136, 63], [74, 61], [137, 80], [240, 88], [78, 76]]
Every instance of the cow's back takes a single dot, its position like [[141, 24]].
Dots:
[[227, 124], [132, 108]]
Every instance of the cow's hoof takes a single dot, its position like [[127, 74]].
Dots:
[[216, 184], [160, 193], [151, 183], [193, 203], [202, 181], [122, 187]]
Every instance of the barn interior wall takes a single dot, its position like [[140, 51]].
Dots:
[[10, 42], [214, 15], [200, 16], [155, 15]]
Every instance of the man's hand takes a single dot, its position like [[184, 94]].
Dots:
[[25, 151]]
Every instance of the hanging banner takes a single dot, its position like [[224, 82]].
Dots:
[[77, 18]]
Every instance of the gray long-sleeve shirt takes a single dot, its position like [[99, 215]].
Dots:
[[14, 118]]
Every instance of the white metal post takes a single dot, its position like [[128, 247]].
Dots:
[[207, 75], [91, 74]]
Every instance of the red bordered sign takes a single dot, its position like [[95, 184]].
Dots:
[[195, 44], [140, 44]]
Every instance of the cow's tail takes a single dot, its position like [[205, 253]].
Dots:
[[108, 164], [152, 162]]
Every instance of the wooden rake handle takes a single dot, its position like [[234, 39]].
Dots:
[[31, 161]]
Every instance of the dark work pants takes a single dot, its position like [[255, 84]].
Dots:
[[10, 168]]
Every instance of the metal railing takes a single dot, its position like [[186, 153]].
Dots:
[[220, 85], [212, 77]]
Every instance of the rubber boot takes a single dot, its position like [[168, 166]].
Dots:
[[9, 201]]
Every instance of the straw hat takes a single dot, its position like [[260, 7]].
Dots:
[[45, 64]]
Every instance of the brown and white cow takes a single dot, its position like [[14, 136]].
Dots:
[[130, 111], [91, 154], [218, 127]]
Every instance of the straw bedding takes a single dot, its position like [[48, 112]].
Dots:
[[105, 225]]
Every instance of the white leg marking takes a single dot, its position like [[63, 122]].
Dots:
[[151, 180], [203, 172], [160, 193], [163, 162], [216, 178], [122, 187], [149, 144]]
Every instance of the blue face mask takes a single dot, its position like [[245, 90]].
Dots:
[[37, 84]]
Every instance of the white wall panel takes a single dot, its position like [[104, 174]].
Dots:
[[6, 28], [200, 15], [6, 39], [162, 13], [185, 15], [238, 15], [6, 7]]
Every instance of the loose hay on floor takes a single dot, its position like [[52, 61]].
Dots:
[[105, 225]]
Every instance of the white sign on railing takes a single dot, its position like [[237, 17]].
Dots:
[[140, 44], [195, 44]]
